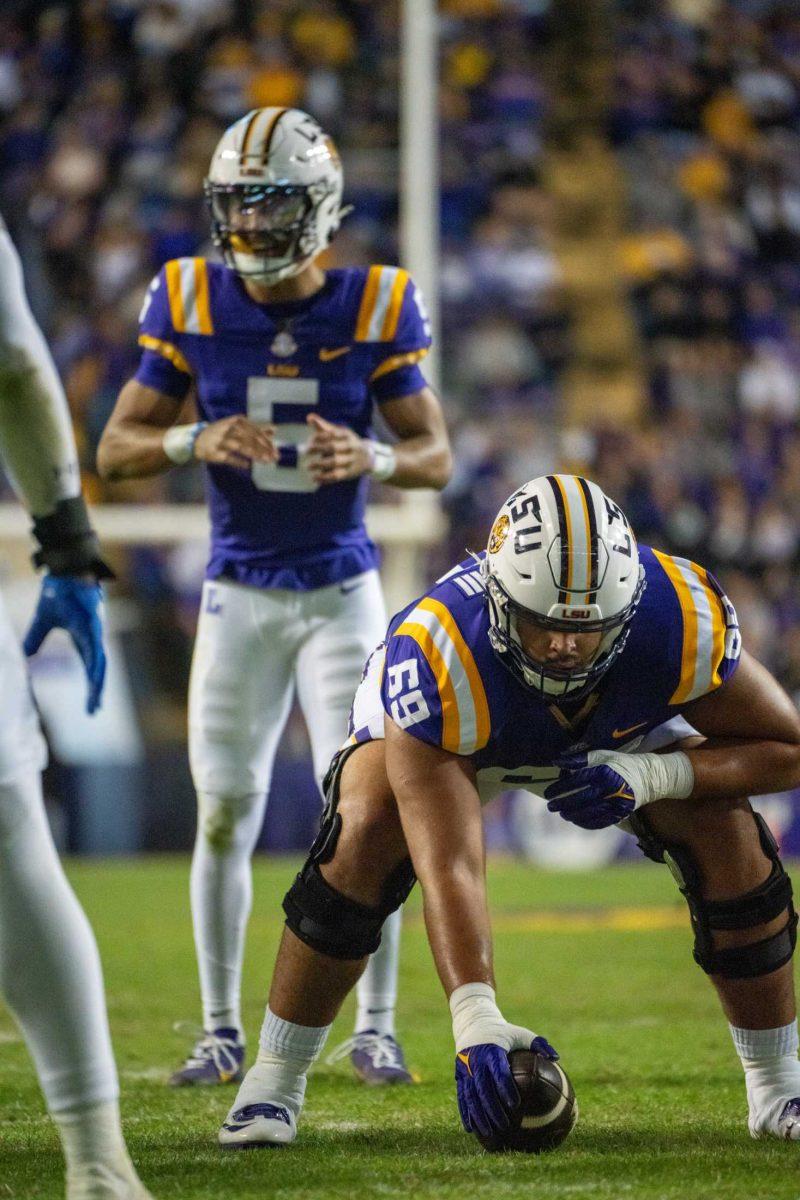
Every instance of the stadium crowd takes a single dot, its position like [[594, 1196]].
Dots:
[[109, 110]]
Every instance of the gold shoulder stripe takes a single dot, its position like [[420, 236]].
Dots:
[[451, 722], [166, 350], [368, 299], [397, 361], [689, 613], [477, 690], [173, 274]]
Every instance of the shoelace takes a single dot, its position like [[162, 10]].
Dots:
[[382, 1049], [208, 1048]]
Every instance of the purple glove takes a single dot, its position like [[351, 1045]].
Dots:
[[590, 796], [485, 1088], [73, 604]]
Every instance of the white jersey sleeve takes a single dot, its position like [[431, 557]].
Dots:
[[37, 444]]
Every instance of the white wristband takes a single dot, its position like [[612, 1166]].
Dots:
[[383, 460], [178, 442], [476, 1017], [650, 776]]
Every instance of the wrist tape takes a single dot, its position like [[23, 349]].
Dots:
[[476, 1017], [179, 442], [383, 461]]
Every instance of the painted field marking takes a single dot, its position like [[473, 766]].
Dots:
[[621, 919]]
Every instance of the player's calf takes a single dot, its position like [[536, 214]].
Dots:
[[728, 868], [356, 874]]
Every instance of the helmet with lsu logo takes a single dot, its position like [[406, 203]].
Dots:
[[274, 189], [561, 555]]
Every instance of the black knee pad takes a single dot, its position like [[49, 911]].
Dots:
[[323, 917], [757, 907]]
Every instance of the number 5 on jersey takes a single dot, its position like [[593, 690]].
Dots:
[[407, 701], [289, 474]]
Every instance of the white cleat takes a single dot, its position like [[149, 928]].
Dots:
[[780, 1119], [100, 1182], [262, 1124]]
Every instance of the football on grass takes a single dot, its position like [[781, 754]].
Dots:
[[547, 1110]]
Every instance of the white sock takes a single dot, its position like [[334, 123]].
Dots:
[[50, 971], [286, 1051], [221, 892], [92, 1138], [771, 1067], [377, 987]]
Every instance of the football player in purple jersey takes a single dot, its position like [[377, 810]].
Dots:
[[50, 973], [607, 678], [288, 362]]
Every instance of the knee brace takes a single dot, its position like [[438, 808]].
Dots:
[[323, 917], [757, 907]]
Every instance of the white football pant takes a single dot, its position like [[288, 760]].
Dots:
[[254, 647], [49, 967]]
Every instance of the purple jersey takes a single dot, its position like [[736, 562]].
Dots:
[[356, 342], [443, 683]]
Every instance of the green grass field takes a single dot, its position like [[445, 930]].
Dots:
[[599, 962]]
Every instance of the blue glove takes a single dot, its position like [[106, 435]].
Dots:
[[73, 604], [590, 794], [485, 1088]]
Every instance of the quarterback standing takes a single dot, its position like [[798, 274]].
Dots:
[[606, 677], [287, 361], [50, 973]]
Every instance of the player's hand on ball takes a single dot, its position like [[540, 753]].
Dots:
[[485, 1088], [594, 790], [236, 442], [335, 452]]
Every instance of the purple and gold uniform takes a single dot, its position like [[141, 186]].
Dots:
[[438, 678], [356, 342]]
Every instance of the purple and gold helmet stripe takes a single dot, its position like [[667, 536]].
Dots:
[[565, 581]]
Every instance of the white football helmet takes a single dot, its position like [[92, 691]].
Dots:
[[274, 189], [562, 554]]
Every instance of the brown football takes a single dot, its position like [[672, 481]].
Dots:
[[547, 1110]]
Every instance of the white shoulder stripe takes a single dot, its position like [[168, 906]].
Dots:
[[704, 657], [189, 295], [382, 301]]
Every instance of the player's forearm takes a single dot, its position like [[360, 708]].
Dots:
[[36, 440], [131, 450], [457, 922], [424, 461], [737, 767]]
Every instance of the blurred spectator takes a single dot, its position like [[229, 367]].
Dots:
[[109, 111]]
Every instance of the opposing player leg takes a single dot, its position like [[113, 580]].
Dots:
[[740, 902], [346, 624], [357, 873], [240, 694], [50, 972]]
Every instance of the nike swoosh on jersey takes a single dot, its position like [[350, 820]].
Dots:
[[619, 733], [326, 355]]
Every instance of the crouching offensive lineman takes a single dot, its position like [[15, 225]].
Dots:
[[609, 679]]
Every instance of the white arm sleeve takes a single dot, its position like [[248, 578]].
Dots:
[[37, 444]]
